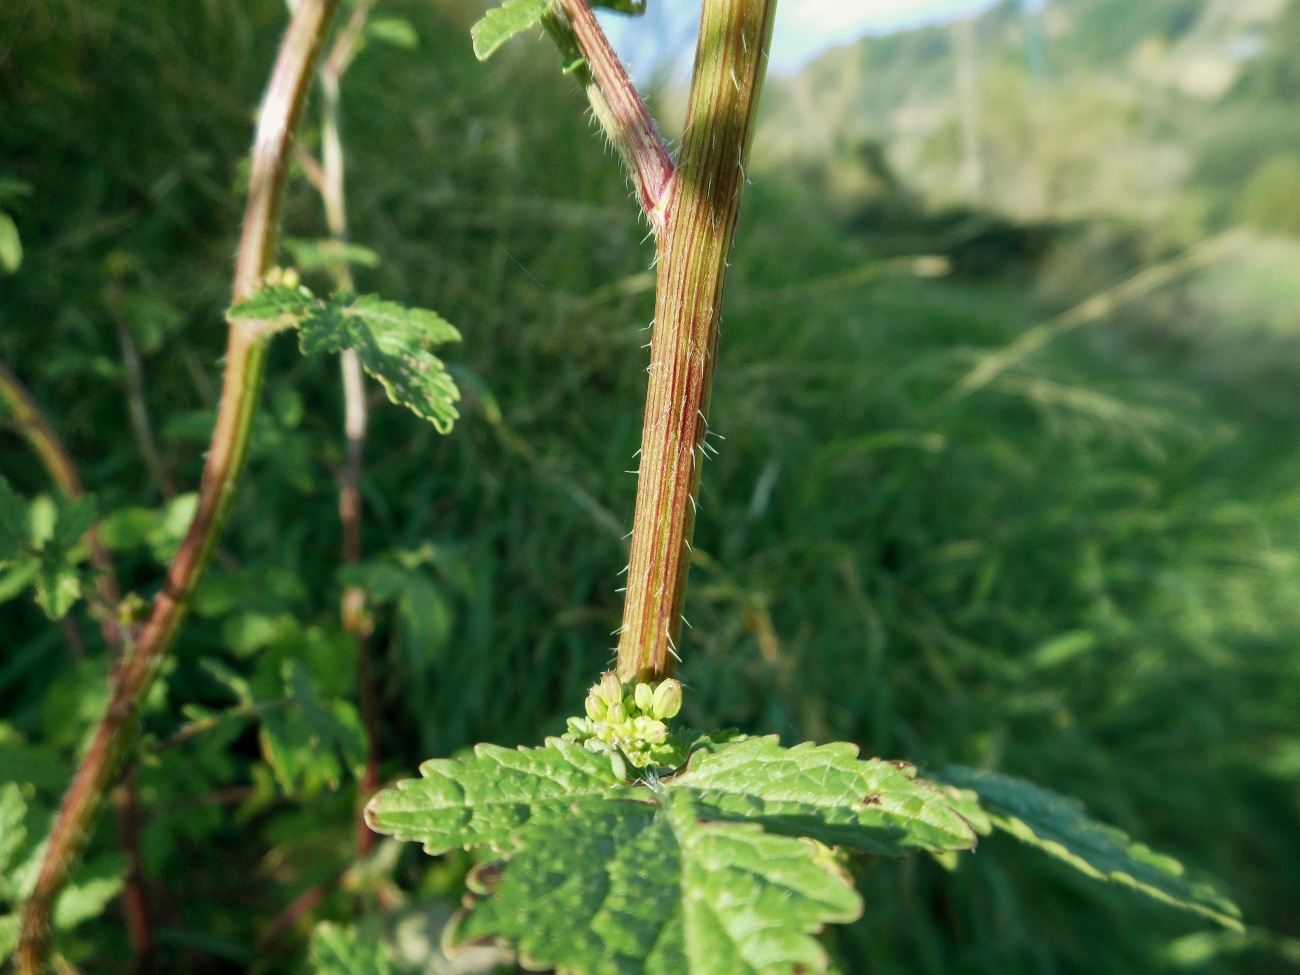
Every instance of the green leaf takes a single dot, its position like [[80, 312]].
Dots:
[[312, 741], [313, 255], [391, 341], [91, 888], [720, 868], [393, 31], [58, 587], [275, 302], [336, 950], [824, 792], [1060, 827], [484, 799], [642, 889], [11, 245], [501, 23]]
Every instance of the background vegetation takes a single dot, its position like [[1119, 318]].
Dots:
[[1082, 568]]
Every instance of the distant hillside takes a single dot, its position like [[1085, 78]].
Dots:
[[1079, 108]]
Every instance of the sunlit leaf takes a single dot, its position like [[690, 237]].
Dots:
[[392, 342], [501, 23], [1060, 827], [639, 888], [716, 869]]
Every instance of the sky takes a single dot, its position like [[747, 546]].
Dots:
[[804, 28]]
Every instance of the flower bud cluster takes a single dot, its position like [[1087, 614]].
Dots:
[[632, 718]]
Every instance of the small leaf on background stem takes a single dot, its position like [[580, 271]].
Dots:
[[501, 23], [391, 340]]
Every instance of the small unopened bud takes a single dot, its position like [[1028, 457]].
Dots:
[[650, 730], [644, 697], [667, 699], [596, 707], [609, 688], [616, 714]]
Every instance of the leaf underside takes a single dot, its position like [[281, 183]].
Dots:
[[1060, 827], [720, 868]]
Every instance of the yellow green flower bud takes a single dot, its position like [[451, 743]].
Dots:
[[609, 688], [644, 697], [667, 699], [596, 707], [648, 729]]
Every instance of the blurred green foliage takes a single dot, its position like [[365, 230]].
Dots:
[[1085, 573]]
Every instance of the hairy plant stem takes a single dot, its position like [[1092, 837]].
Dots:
[[245, 359], [619, 108], [700, 209]]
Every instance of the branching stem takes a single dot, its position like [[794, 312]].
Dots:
[[622, 112], [245, 359]]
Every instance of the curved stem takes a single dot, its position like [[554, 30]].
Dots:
[[703, 200], [245, 358]]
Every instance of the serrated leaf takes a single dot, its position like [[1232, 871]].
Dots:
[[1060, 827], [688, 873], [391, 341], [824, 792], [501, 23], [312, 741], [336, 950], [483, 800], [274, 302], [58, 587], [638, 889]]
